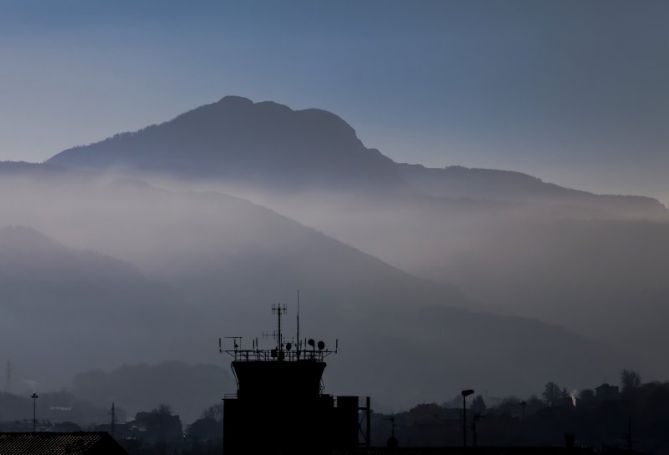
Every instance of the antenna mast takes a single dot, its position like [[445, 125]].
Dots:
[[297, 340], [279, 310], [290, 351]]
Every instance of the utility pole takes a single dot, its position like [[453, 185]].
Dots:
[[368, 423], [8, 377], [465, 393], [34, 396], [113, 420]]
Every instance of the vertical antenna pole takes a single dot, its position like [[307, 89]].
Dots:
[[298, 324], [279, 310]]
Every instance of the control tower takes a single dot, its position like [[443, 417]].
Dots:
[[280, 407]]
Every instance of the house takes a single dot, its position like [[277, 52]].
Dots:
[[45, 443]]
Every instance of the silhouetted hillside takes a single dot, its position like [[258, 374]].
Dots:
[[581, 269], [64, 310], [264, 143], [456, 182], [402, 339], [56, 407], [509, 239], [270, 145], [187, 389], [512, 240]]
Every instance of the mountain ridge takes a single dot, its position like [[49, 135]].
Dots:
[[237, 257], [269, 144]]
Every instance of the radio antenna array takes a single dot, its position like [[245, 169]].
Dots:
[[291, 351], [279, 310]]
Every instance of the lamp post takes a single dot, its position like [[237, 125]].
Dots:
[[222, 427], [465, 393], [475, 419], [34, 396]]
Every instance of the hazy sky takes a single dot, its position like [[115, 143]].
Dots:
[[575, 92]]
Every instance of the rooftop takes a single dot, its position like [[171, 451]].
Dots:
[[45, 443]]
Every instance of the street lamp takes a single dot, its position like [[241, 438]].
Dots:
[[34, 396], [465, 393], [222, 427]]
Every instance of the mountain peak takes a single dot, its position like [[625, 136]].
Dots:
[[269, 145], [236, 139], [232, 100], [14, 236]]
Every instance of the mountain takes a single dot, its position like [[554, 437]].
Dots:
[[207, 265], [458, 182], [65, 309], [520, 245], [188, 389], [57, 407], [270, 145], [264, 143]]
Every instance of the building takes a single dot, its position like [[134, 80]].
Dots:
[[44, 443], [280, 406]]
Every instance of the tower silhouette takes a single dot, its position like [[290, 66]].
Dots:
[[280, 406]]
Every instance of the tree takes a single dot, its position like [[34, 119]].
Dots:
[[586, 396], [208, 427], [553, 395], [565, 398], [478, 405], [214, 412], [629, 380], [205, 429], [160, 425]]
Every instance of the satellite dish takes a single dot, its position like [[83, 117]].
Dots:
[[288, 346], [311, 342], [321, 345]]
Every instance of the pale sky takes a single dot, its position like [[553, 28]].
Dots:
[[572, 91]]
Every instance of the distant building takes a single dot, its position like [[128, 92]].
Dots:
[[76, 443]]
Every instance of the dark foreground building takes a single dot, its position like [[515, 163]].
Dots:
[[43, 443], [280, 408], [519, 450]]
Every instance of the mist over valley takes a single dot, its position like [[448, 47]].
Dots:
[[148, 246]]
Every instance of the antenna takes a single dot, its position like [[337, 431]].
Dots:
[[236, 350], [295, 350], [279, 310], [298, 324]]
